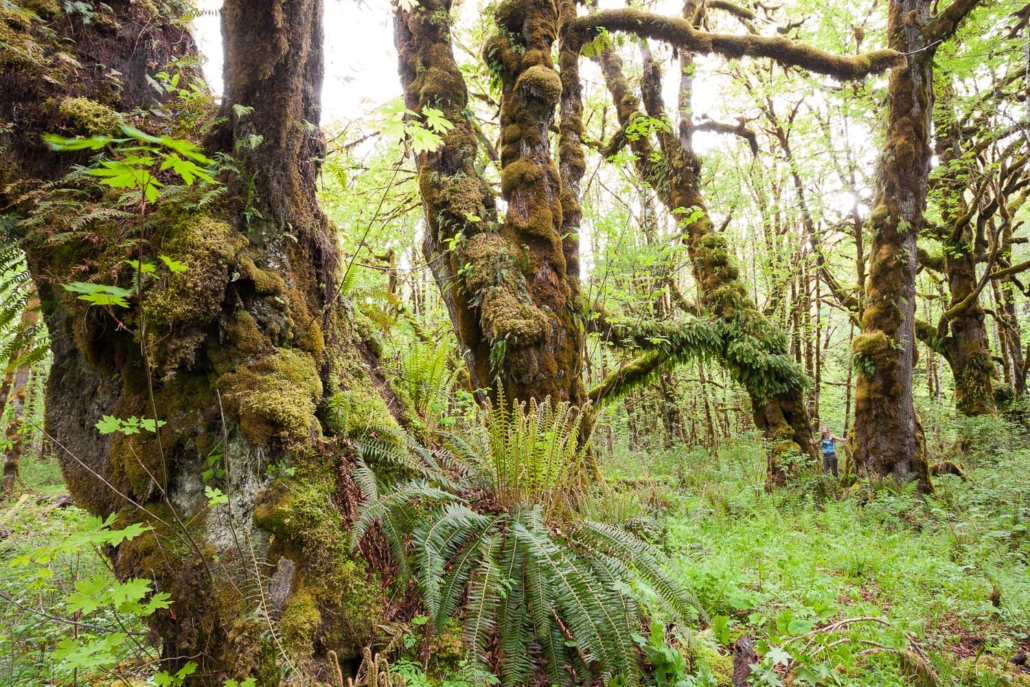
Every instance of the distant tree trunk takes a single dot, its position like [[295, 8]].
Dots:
[[248, 356], [670, 408], [511, 287], [961, 339], [13, 390]]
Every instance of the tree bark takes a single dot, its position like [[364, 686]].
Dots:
[[887, 436], [249, 357], [511, 287]]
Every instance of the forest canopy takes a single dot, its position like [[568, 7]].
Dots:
[[583, 343]]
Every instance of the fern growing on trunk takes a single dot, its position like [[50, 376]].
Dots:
[[489, 529]]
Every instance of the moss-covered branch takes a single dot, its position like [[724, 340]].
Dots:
[[680, 33], [739, 129], [944, 25], [1009, 271]]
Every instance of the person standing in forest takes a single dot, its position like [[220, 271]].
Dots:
[[829, 450]]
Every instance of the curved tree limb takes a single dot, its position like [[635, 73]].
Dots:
[[680, 33]]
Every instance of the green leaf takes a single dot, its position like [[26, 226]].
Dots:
[[174, 266], [143, 268], [109, 424], [100, 294], [133, 132], [62, 144], [777, 656], [152, 425], [423, 140], [215, 496], [436, 121]]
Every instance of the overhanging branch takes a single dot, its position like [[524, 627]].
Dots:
[[679, 32]]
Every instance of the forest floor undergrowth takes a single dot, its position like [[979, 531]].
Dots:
[[944, 579], [858, 585]]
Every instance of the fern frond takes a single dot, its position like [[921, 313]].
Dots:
[[375, 511], [437, 539], [485, 591], [645, 561]]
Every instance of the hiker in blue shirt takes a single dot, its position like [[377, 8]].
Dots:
[[829, 451]]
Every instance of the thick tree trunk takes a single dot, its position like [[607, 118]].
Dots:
[[887, 436], [511, 287], [968, 349], [246, 355]]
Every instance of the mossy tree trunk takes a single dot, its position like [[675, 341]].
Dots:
[[754, 351], [247, 356], [511, 287], [887, 437], [961, 339]]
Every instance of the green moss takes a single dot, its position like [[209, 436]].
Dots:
[[266, 282], [88, 117], [17, 48], [511, 14], [540, 82], [519, 174], [506, 310], [275, 397], [306, 526], [701, 656], [511, 134], [180, 306], [299, 624], [353, 411], [47, 9], [246, 339]]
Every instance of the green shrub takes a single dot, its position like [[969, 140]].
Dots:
[[490, 536]]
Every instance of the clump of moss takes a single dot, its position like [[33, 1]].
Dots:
[[246, 338], [275, 397], [540, 82], [518, 174], [266, 283], [184, 303], [506, 311], [701, 656], [47, 9], [299, 624], [306, 526], [88, 117]]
